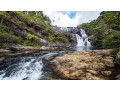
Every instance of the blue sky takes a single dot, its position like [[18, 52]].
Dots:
[[71, 18], [71, 14]]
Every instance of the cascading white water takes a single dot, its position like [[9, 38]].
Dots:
[[83, 39], [27, 68], [79, 40]]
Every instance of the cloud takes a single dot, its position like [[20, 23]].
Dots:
[[71, 19]]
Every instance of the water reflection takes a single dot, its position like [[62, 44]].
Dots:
[[80, 48]]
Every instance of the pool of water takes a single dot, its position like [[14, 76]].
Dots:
[[80, 48]]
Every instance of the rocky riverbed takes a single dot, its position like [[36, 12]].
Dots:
[[20, 50], [83, 65], [68, 65]]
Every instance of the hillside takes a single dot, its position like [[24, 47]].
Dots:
[[29, 28], [105, 29]]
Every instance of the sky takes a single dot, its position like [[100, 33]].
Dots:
[[71, 18]]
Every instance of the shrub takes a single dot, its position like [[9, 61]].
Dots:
[[19, 39], [9, 38], [106, 42], [31, 36], [30, 43], [115, 51], [112, 40], [55, 36], [63, 39], [4, 28], [21, 23], [51, 38], [35, 17], [2, 16]]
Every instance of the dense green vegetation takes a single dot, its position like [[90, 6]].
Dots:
[[31, 36], [26, 27], [54, 36], [36, 17], [106, 29], [2, 17], [7, 36], [115, 51]]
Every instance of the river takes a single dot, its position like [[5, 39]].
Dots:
[[32, 67]]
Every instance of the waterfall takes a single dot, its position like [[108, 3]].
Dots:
[[24, 68], [79, 40], [83, 39]]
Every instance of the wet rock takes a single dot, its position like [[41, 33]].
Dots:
[[75, 65], [61, 53], [92, 37], [50, 57]]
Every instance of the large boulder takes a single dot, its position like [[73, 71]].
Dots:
[[91, 38], [50, 57], [82, 65]]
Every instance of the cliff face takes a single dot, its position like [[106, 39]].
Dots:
[[29, 29]]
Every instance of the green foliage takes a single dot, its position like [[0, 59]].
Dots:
[[51, 38], [21, 23], [36, 17], [115, 51], [19, 39], [31, 36], [112, 18], [112, 40], [54, 36], [6, 36], [4, 28], [9, 38], [106, 29], [2, 16], [63, 39], [30, 43]]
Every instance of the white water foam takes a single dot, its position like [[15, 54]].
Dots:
[[83, 39], [29, 68]]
